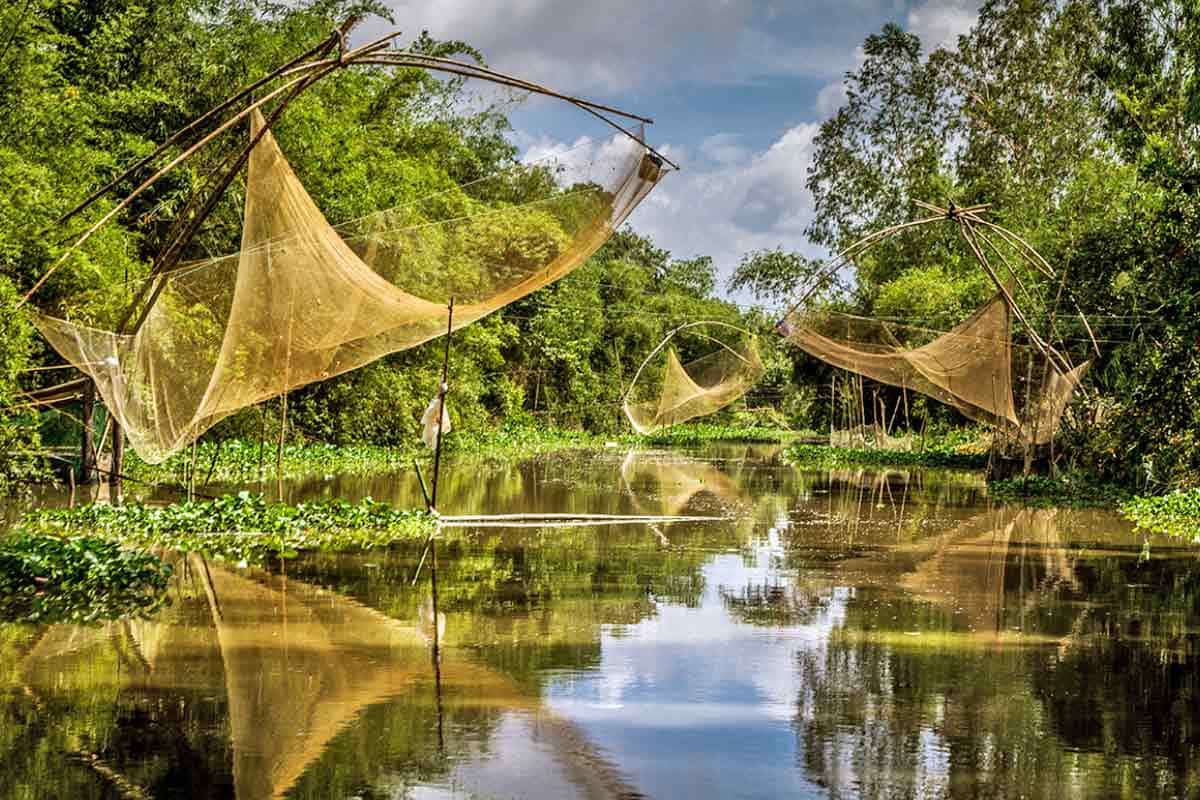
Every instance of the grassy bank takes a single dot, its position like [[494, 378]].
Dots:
[[240, 528], [237, 461], [685, 435]]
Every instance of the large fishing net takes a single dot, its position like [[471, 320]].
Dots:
[[671, 392], [970, 367], [303, 301]]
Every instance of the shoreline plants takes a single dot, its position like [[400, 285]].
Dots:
[[243, 527], [81, 579]]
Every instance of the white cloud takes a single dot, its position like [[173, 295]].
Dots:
[[724, 207], [939, 23], [723, 148], [726, 201], [622, 45], [831, 97]]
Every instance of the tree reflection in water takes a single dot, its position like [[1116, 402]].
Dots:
[[842, 633]]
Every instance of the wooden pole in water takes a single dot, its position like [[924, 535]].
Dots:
[[442, 389], [87, 445], [118, 458], [832, 398], [279, 445], [437, 651]]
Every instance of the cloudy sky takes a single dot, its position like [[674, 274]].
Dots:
[[737, 89]]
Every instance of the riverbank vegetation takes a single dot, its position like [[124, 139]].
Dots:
[[242, 527], [1072, 489], [239, 461], [81, 579], [1176, 514]]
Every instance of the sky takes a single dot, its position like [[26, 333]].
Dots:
[[737, 89]]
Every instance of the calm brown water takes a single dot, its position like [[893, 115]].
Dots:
[[838, 634]]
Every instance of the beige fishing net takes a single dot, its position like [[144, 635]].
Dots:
[[1046, 413], [304, 301], [674, 393], [969, 367]]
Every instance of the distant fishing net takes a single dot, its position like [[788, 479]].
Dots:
[[303, 301], [671, 392], [970, 367]]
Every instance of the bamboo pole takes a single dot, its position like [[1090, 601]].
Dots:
[[1044, 348], [442, 390], [118, 459], [832, 397], [180, 134], [125, 203], [299, 84], [437, 653], [87, 454], [174, 251]]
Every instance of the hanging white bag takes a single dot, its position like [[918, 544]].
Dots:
[[429, 421]]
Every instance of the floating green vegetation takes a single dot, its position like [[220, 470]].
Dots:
[[1174, 514], [82, 579], [1073, 489], [237, 461], [242, 528], [701, 433], [944, 456]]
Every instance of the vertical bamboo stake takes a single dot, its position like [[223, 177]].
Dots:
[[437, 450], [279, 445], [191, 481], [262, 441], [832, 397], [283, 399], [1027, 437], [437, 654], [118, 458], [87, 445], [862, 410]]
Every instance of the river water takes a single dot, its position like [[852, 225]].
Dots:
[[826, 634]]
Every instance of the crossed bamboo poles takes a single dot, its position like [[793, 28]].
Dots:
[[981, 236], [296, 77]]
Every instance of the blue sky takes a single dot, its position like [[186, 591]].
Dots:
[[737, 89]]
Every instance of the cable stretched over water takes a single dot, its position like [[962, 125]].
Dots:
[[565, 520]]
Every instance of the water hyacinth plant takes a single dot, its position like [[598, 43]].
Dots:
[[241, 527], [1175, 514], [810, 455], [80, 579]]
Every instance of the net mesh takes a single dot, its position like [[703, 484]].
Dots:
[[303, 301], [970, 367], [1045, 415], [675, 393]]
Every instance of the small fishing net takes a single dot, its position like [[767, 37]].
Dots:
[[1045, 415], [673, 392], [970, 367], [304, 301]]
